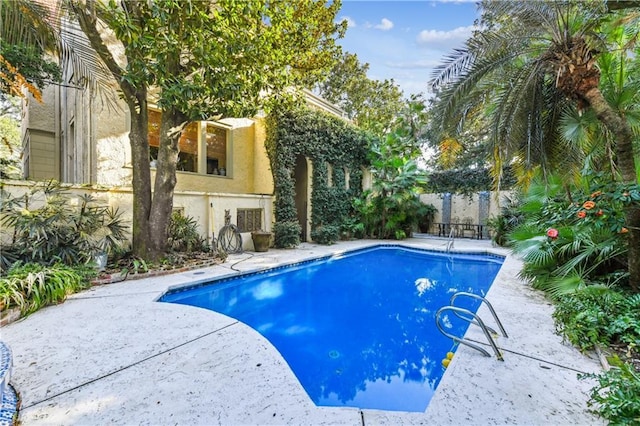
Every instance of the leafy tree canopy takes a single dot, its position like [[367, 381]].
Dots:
[[23, 63], [372, 104], [203, 60]]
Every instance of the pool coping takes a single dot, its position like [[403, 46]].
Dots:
[[75, 363]]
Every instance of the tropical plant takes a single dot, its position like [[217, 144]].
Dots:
[[32, 31], [571, 237], [585, 317], [533, 60], [32, 286], [49, 225], [390, 209], [509, 218], [425, 214], [183, 234], [617, 394]]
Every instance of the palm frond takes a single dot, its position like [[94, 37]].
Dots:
[[45, 24]]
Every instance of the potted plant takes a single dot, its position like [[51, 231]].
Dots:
[[261, 240]]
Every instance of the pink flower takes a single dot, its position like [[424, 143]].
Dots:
[[552, 233], [582, 214]]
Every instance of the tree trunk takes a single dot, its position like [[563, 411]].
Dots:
[[141, 181], [627, 166], [135, 95], [171, 125]]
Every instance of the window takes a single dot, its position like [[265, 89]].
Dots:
[[216, 150], [203, 148], [249, 220]]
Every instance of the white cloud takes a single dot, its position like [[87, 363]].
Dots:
[[350, 22], [444, 39], [384, 25]]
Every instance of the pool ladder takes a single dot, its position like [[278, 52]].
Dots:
[[450, 240], [473, 318]]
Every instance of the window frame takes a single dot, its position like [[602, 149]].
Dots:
[[201, 149]]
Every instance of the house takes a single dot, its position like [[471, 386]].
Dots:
[[223, 166]]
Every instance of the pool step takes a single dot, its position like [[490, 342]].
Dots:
[[8, 397]]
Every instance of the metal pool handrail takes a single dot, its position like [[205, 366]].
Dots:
[[450, 240], [462, 340], [486, 302]]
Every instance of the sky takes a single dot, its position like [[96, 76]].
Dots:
[[405, 40]]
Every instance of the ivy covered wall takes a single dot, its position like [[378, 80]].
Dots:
[[331, 144]]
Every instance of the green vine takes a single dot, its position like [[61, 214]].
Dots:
[[325, 140], [467, 181]]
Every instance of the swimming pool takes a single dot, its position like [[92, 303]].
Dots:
[[357, 329]]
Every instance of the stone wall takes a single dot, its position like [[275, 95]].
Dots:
[[476, 209]]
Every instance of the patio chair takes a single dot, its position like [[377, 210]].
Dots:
[[468, 228]]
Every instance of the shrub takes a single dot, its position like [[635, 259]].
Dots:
[[183, 234], [326, 234], [617, 394], [49, 225], [32, 286], [425, 215], [598, 315], [352, 227], [566, 245], [509, 218], [287, 234]]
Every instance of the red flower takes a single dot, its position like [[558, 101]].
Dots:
[[599, 213], [582, 214], [552, 233], [595, 194], [589, 205], [624, 230]]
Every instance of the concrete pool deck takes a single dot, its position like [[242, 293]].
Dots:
[[112, 355]]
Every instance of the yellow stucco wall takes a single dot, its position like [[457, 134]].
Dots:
[[207, 208], [262, 176], [249, 171]]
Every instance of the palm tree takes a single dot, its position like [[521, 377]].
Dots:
[[42, 24], [545, 57]]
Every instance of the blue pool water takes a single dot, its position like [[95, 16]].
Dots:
[[357, 329]]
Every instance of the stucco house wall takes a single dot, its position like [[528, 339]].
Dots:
[[77, 138]]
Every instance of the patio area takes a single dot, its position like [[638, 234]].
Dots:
[[113, 355]]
